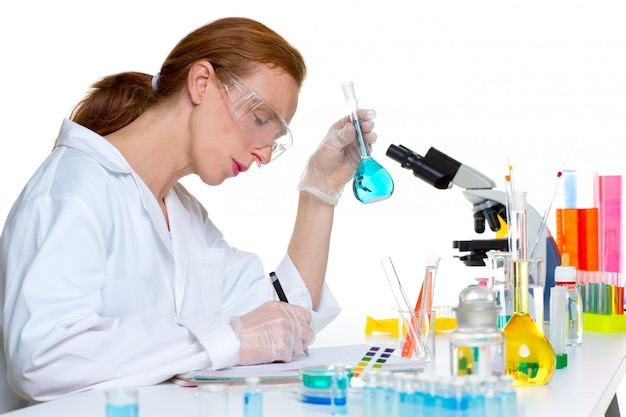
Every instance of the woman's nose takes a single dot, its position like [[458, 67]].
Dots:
[[264, 155]]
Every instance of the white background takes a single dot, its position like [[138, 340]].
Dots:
[[540, 82]]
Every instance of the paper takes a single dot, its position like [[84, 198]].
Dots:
[[351, 355]]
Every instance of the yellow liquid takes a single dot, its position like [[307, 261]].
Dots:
[[530, 359]]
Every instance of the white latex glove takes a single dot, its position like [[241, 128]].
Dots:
[[334, 162], [275, 331]]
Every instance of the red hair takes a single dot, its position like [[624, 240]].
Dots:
[[237, 44]]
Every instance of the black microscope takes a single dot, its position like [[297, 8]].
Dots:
[[488, 205]]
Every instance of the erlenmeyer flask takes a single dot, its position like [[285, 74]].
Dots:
[[371, 182]]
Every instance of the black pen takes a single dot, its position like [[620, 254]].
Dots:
[[282, 297]]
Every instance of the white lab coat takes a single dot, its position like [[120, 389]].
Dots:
[[96, 292]]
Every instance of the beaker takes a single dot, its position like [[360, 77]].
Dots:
[[536, 284], [122, 402], [499, 266], [371, 181], [212, 400]]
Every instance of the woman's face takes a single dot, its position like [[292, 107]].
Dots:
[[241, 121]]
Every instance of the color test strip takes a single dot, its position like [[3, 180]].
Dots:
[[375, 358]]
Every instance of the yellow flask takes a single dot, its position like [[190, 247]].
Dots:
[[529, 357]]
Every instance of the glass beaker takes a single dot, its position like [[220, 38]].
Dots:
[[212, 400], [371, 181], [122, 402], [499, 266]]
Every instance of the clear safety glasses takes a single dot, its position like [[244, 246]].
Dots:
[[261, 125]]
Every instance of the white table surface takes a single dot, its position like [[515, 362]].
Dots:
[[584, 388]]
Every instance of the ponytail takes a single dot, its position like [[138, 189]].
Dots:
[[114, 101]]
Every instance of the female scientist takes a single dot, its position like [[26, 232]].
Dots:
[[112, 274]]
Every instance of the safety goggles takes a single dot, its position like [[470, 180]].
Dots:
[[261, 125]]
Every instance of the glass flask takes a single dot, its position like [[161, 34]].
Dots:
[[529, 357], [477, 344], [371, 181]]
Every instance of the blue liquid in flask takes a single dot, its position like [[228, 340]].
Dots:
[[371, 182]]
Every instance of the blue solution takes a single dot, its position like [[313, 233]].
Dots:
[[125, 410], [371, 182], [406, 406], [253, 404], [475, 405], [340, 394]]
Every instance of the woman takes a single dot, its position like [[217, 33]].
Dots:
[[111, 272]]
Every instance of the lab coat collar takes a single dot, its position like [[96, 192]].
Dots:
[[73, 135], [79, 137]]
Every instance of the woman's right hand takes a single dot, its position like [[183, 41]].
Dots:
[[275, 331]]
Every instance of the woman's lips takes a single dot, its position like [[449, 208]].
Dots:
[[238, 167]]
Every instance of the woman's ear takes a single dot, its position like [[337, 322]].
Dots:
[[199, 79]]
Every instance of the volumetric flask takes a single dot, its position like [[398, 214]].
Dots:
[[371, 182]]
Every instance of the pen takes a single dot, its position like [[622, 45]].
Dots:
[[282, 297]]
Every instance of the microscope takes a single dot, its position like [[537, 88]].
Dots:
[[488, 206]]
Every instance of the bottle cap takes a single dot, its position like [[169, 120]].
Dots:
[[253, 381], [477, 307], [565, 274]]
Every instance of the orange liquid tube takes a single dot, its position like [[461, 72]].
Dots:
[[588, 239], [567, 233]]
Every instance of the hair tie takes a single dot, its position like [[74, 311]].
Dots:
[[155, 81]]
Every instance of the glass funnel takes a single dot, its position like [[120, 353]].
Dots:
[[371, 181]]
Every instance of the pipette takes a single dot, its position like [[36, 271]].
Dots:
[[371, 182]]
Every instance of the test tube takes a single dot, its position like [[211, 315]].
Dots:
[[517, 227]]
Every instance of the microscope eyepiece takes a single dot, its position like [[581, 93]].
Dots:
[[436, 168]]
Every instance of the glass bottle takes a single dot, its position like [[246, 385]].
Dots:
[[530, 359], [477, 345], [492, 399], [565, 276], [340, 390], [508, 396], [253, 398]]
